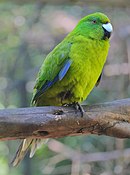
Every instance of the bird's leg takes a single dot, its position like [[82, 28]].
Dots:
[[76, 106], [62, 98]]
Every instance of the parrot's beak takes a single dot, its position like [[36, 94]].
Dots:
[[107, 30]]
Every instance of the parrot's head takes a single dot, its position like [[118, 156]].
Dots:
[[95, 26]]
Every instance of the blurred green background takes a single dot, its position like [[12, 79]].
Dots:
[[28, 32]]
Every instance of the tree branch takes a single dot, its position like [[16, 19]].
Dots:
[[112, 119], [72, 154]]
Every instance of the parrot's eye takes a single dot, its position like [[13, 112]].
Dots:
[[94, 21]]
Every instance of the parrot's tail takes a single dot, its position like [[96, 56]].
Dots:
[[23, 148]]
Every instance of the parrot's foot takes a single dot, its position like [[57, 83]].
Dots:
[[76, 106]]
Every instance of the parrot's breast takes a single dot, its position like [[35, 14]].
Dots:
[[88, 61]]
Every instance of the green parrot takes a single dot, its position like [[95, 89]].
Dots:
[[71, 70]]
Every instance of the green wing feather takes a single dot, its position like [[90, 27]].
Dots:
[[51, 66]]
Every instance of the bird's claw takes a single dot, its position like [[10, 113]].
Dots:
[[76, 106], [80, 108]]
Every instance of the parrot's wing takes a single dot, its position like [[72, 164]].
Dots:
[[54, 68], [99, 79]]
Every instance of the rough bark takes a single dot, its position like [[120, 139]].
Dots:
[[112, 119]]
